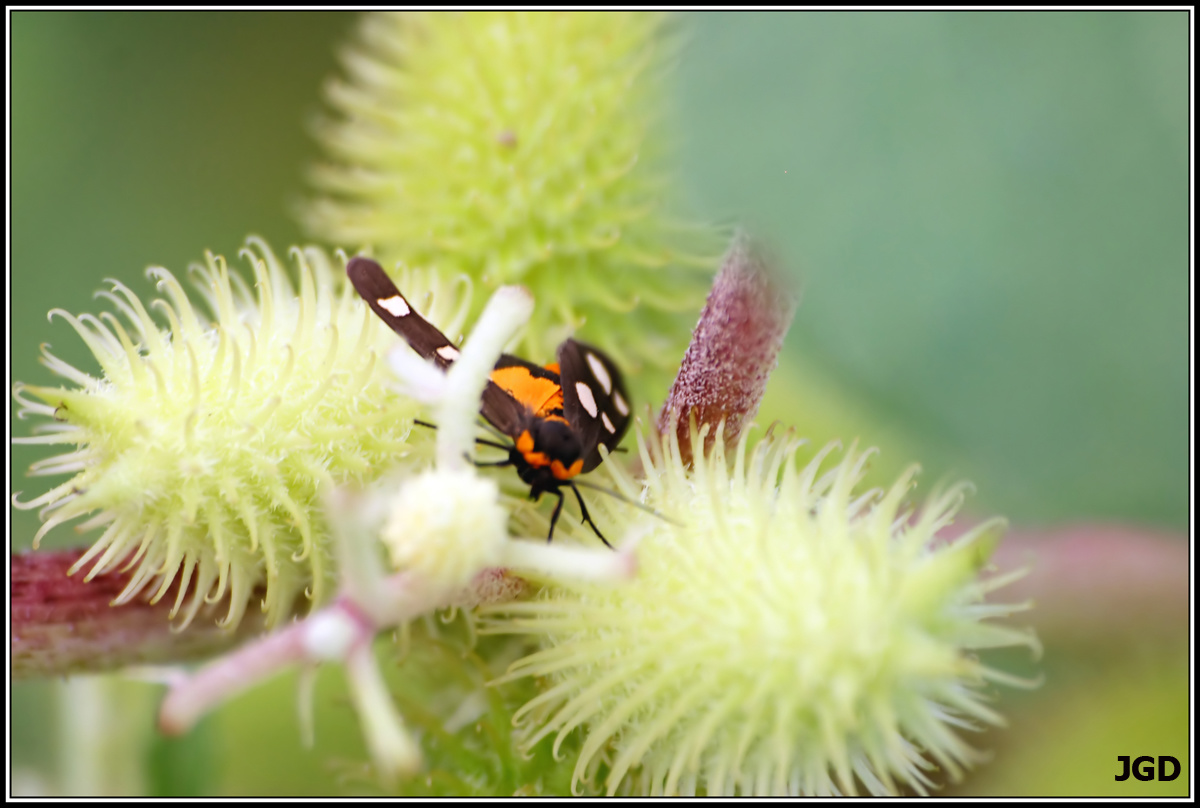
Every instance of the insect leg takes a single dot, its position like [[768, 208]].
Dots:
[[479, 465], [493, 444], [480, 441], [586, 516], [483, 423], [554, 517]]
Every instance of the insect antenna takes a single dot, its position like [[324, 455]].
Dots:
[[623, 498]]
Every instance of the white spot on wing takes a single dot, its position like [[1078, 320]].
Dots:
[[394, 305], [600, 372], [585, 398], [622, 407], [448, 352], [607, 423]]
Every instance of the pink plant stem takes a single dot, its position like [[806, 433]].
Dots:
[[1100, 584], [61, 625], [228, 676]]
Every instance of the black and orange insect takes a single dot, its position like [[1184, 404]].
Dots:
[[557, 416]]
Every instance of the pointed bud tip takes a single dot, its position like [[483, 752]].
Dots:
[[734, 347]]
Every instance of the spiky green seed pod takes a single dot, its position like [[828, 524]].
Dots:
[[448, 536], [787, 636], [520, 148], [202, 445]]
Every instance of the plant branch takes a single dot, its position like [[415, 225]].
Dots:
[[62, 625]]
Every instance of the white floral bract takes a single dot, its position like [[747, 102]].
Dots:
[[445, 526]]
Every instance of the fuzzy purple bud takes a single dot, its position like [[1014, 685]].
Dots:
[[733, 350]]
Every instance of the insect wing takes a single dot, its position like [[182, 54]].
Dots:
[[532, 391], [503, 411], [385, 300], [595, 403], [537, 388], [499, 407]]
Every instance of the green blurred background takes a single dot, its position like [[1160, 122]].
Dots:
[[988, 213]]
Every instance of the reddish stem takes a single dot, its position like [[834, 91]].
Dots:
[[1099, 584], [61, 625]]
